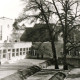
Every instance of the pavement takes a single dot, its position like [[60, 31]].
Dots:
[[6, 73], [9, 69], [46, 73], [42, 75], [74, 74], [21, 64]]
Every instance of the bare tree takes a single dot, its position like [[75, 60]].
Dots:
[[42, 11], [68, 16]]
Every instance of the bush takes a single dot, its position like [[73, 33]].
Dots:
[[50, 62], [34, 69], [28, 72]]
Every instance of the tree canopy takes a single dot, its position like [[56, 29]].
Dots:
[[67, 14], [38, 33]]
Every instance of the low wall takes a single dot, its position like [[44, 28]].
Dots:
[[71, 61]]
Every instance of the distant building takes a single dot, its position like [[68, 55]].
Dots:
[[17, 33], [40, 33], [8, 33], [11, 52], [5, 29], [11, 49]]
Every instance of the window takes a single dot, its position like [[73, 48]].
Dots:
[[17, 50], [23, 49], [4, 55], [20, 53], [29, 51], [34, 52], [13, 54], [20, 49], [69, 53], [4, 51], [23, 53], [13, 50], [26, 48], [16, 54], [9, 49]]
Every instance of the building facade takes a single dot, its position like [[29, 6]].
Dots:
[[11, 49], [11, 52], [5, 29]]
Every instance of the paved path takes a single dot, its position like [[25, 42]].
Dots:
[[74, 74], [21, 64], [6, 73], [44, 74], [8, 69]]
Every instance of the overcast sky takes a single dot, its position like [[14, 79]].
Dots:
[[10, 8]]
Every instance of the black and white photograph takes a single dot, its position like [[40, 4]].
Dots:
[[39, 39]]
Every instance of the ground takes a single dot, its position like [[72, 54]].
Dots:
[[9, 69], [46, 73], [74, 74]]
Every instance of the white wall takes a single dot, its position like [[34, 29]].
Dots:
[[12, 59], [7, 28]]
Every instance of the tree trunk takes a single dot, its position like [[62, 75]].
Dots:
[[65, 32], [65, 66], [52, 38], [54, 55]]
